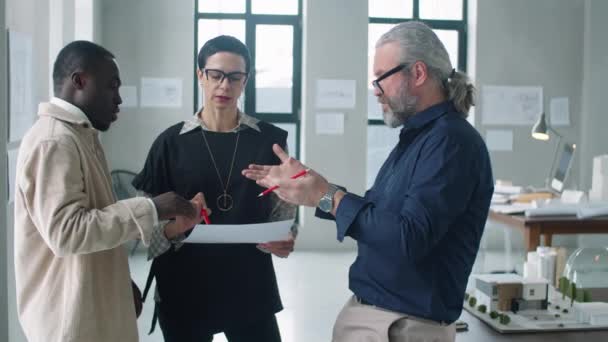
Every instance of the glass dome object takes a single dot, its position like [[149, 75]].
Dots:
[[588, 268]]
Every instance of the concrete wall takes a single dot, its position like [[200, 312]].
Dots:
[[150, 39], [4, 333], [98, 21], [535, 43], [329, 52], [594, 140], [32, 17]]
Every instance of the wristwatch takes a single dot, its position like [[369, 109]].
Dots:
[[327, 201]]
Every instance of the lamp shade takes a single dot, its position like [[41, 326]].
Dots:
[[539, 130]]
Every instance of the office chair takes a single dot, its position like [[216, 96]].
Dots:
[[121, 184]]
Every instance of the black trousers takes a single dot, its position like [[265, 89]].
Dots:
[[264, 329]]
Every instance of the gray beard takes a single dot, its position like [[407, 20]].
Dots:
[[392, 119], [400, 109]]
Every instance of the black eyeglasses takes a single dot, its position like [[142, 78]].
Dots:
[[218, 76], [376, 82]]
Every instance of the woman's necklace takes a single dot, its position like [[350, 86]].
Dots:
[[224, 201]]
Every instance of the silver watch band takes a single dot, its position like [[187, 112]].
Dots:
[[327, 201]]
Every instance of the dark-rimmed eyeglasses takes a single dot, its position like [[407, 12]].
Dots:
[[376, 82], [218, 76]]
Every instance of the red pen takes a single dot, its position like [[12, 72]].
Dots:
[[205, 216], [273, 188]]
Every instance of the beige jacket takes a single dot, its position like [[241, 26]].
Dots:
[[72, 275]]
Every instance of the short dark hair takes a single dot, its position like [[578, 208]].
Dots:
[[77, 55], [223, 44]]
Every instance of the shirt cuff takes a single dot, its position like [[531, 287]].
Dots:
[[347, 212], [159, 244], [155, 214]]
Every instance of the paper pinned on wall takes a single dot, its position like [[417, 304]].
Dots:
[[499, 139], [12, 172], [329, 123], [129, 96], [507, 105], [336, 94], [21, 103], [559, 111], [161, 92]]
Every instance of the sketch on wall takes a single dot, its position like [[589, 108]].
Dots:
[[336, 93], [508, 105], [161, 92]]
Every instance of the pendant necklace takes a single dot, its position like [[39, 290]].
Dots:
[[224, 201]]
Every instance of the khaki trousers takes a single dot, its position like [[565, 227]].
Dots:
[[366, 323]]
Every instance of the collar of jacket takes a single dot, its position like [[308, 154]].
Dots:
[[56, 112]]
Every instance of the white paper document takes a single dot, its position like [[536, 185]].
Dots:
[[515, 208], [240, 233], [558, 209], [336, 93], [161, 92], [506, 105], [593, 209]]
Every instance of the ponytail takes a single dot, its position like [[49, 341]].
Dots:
[[461, 92]]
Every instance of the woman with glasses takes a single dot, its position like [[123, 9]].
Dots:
[[204, 289]]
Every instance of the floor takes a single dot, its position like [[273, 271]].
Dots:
[[313, 287]]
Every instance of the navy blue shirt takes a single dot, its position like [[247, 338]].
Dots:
[[418, 228]]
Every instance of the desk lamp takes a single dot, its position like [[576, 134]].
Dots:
[[540, 131]]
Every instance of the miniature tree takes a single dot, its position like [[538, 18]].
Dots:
[[586, 296], [472, 302], [580, 296], [572, 293], [466, 296], [494, 315], [564, 285], [504, 319], [482, 308]]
